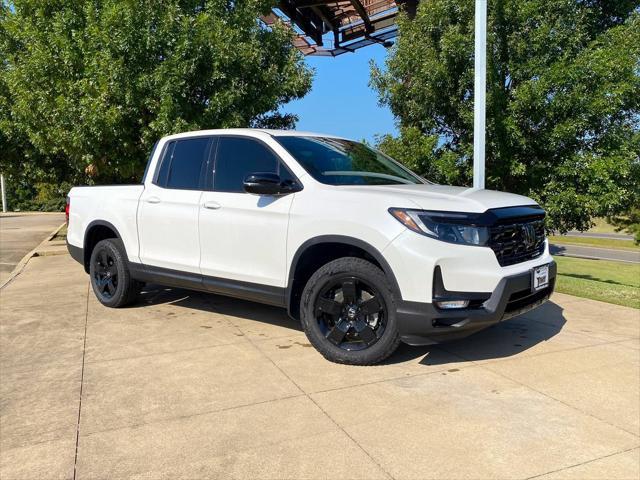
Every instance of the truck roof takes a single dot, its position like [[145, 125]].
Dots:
[[249, 132]]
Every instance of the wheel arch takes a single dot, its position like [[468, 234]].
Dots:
[[96, 231], [327, 248]]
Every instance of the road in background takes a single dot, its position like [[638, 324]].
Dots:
[[20, 233], [610, 236], [595, 252]]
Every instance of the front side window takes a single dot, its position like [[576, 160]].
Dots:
[[238, 157], [336, 161], [182, 163]]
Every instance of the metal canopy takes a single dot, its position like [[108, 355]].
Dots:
[[352, 24]]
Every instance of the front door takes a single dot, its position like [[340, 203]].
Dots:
[[243, 237]]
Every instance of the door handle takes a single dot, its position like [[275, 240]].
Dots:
[[211, 205], [153, 200]]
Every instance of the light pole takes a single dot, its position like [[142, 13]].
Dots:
[[4, 196], [480, 93]]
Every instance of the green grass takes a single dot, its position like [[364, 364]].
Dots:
[[612, 282], [602, 226], [595, 242], [62, 234]]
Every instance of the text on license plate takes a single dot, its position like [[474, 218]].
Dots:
[[540, 277]]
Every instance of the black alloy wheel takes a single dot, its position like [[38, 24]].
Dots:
[[348, 312], [105, 273], [110, 276], [351, 313]]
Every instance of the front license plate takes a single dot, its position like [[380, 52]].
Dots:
[[540, 278]]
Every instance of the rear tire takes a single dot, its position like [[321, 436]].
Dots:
[[110, 277], [348, 312]]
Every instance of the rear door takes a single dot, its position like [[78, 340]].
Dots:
[[169, 206], [243, 237]]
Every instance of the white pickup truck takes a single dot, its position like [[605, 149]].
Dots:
[[361, 250]]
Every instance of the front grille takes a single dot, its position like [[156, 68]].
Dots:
[[517, 241]]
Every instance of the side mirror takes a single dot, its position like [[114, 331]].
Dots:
[[263, 183]]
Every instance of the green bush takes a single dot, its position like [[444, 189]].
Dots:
[[23, 195]]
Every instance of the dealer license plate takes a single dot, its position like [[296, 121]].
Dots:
[[540, 278]]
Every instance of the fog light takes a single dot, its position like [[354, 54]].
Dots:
[[451, 304]]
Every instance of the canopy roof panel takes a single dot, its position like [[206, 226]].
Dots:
[[352, 23]]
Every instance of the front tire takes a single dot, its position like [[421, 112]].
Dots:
[[110, 277], [348, 312]]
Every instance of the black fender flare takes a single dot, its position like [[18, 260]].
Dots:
[[96, 223], [352, 241]]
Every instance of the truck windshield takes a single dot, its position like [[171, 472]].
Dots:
[[336, 161]]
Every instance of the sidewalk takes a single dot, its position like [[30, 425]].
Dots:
[[20, 232], [189, 385]]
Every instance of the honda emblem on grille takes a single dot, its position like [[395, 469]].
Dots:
[[528, 235]]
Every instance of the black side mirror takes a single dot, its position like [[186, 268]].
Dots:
[[264, 183]]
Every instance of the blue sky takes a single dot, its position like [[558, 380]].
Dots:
[[341, 101]]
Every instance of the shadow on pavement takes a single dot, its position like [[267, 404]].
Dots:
[[209, 302], [501, 340]]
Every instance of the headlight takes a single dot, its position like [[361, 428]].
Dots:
[[445, 226]]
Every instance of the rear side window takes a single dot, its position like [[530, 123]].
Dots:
[[183, 164], [163, 171], [238, 157]]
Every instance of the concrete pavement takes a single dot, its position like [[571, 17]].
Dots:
[[189, 385], [20, 233], [595, 253]]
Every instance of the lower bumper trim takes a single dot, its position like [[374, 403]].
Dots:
[[425, 324]]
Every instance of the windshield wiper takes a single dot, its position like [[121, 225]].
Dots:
[[368, 174]]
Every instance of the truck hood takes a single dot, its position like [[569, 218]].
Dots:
[[444, 198]]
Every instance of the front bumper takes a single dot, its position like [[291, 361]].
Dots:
[[425, 324]]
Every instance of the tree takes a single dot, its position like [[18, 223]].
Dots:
[[629, 223], [563, 100], [88, 86]]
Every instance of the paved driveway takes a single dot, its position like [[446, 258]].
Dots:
[[20, 233], [187, 385]]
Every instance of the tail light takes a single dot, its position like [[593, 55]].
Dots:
[[67, 207]]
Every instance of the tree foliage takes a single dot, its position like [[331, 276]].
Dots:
[[88, 86], [563, 100], [629, 223]]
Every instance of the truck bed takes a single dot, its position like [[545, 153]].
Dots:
[[106, 204]]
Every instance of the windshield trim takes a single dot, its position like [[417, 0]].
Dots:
[[405, 168]]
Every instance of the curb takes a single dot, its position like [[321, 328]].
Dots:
[[23, 214], [33, 253]]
